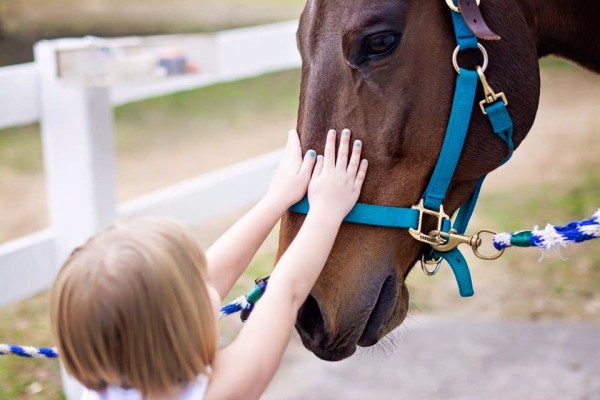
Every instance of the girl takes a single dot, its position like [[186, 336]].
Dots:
[[134, 310]]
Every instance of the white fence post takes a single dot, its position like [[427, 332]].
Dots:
[[78, 140], [79, 156]]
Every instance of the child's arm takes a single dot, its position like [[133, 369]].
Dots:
[[231, 254], [246, 366]]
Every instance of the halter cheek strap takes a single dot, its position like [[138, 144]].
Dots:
[[494, 106]]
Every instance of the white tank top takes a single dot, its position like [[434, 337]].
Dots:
[[193, 391]]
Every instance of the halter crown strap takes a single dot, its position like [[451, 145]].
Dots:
[[458, 125]]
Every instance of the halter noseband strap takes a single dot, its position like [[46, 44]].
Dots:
[[494, 106]]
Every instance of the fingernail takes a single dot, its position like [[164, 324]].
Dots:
[[312, 154], [357, 143], [332, 132], [346, 132], [365, 162], [319, 158]]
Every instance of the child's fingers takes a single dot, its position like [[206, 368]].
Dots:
[[329, 154], [318, 166], [308, 163], [342, 156], [355, 158], [362, 172]]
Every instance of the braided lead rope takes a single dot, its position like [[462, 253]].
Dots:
[[551, 237], [245, 304], [28, 351]]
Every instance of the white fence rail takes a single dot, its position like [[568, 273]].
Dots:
[[240, 53], [27, 266], [18, 95], [78, 142]]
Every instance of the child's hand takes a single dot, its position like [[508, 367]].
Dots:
[[335, 186], [291, 179]]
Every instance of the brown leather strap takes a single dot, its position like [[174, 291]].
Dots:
[[475, 22]]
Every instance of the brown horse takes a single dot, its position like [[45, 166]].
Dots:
[[383, 69]]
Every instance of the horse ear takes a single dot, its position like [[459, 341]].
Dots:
[[474, 20]]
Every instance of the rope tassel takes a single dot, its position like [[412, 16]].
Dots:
[[551, 237]]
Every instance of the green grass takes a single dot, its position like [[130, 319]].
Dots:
[[556, 63], [27, 323], [227, 107], [577, 277], [574, 199], [21, 150], [213, 110]]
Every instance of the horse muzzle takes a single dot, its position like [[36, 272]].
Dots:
[[373, 311]]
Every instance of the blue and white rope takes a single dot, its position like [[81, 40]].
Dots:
[[28, 351], [551, 237], [237, 305], [233, 307]]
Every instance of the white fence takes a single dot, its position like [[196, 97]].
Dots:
[[79, 156]]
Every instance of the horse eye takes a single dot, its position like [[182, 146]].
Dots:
[[380, 44]]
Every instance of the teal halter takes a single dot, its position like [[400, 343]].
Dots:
[[494, 106]]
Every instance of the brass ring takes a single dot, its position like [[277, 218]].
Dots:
[[478, 242], [425, 263], [483, 53], [455, 8]]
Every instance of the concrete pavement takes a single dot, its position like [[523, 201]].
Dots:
[[453, 358]]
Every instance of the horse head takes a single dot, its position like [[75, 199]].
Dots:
[[383, 69]]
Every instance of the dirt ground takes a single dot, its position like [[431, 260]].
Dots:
[[565, 135]]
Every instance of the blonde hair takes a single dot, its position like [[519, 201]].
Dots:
[[131, 308]]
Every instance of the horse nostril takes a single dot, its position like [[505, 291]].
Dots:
[[380, 313], [310, 319]]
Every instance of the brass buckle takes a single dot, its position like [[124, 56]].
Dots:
[[490, 96], [418, 234]]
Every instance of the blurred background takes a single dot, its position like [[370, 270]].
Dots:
[[554, 177]]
